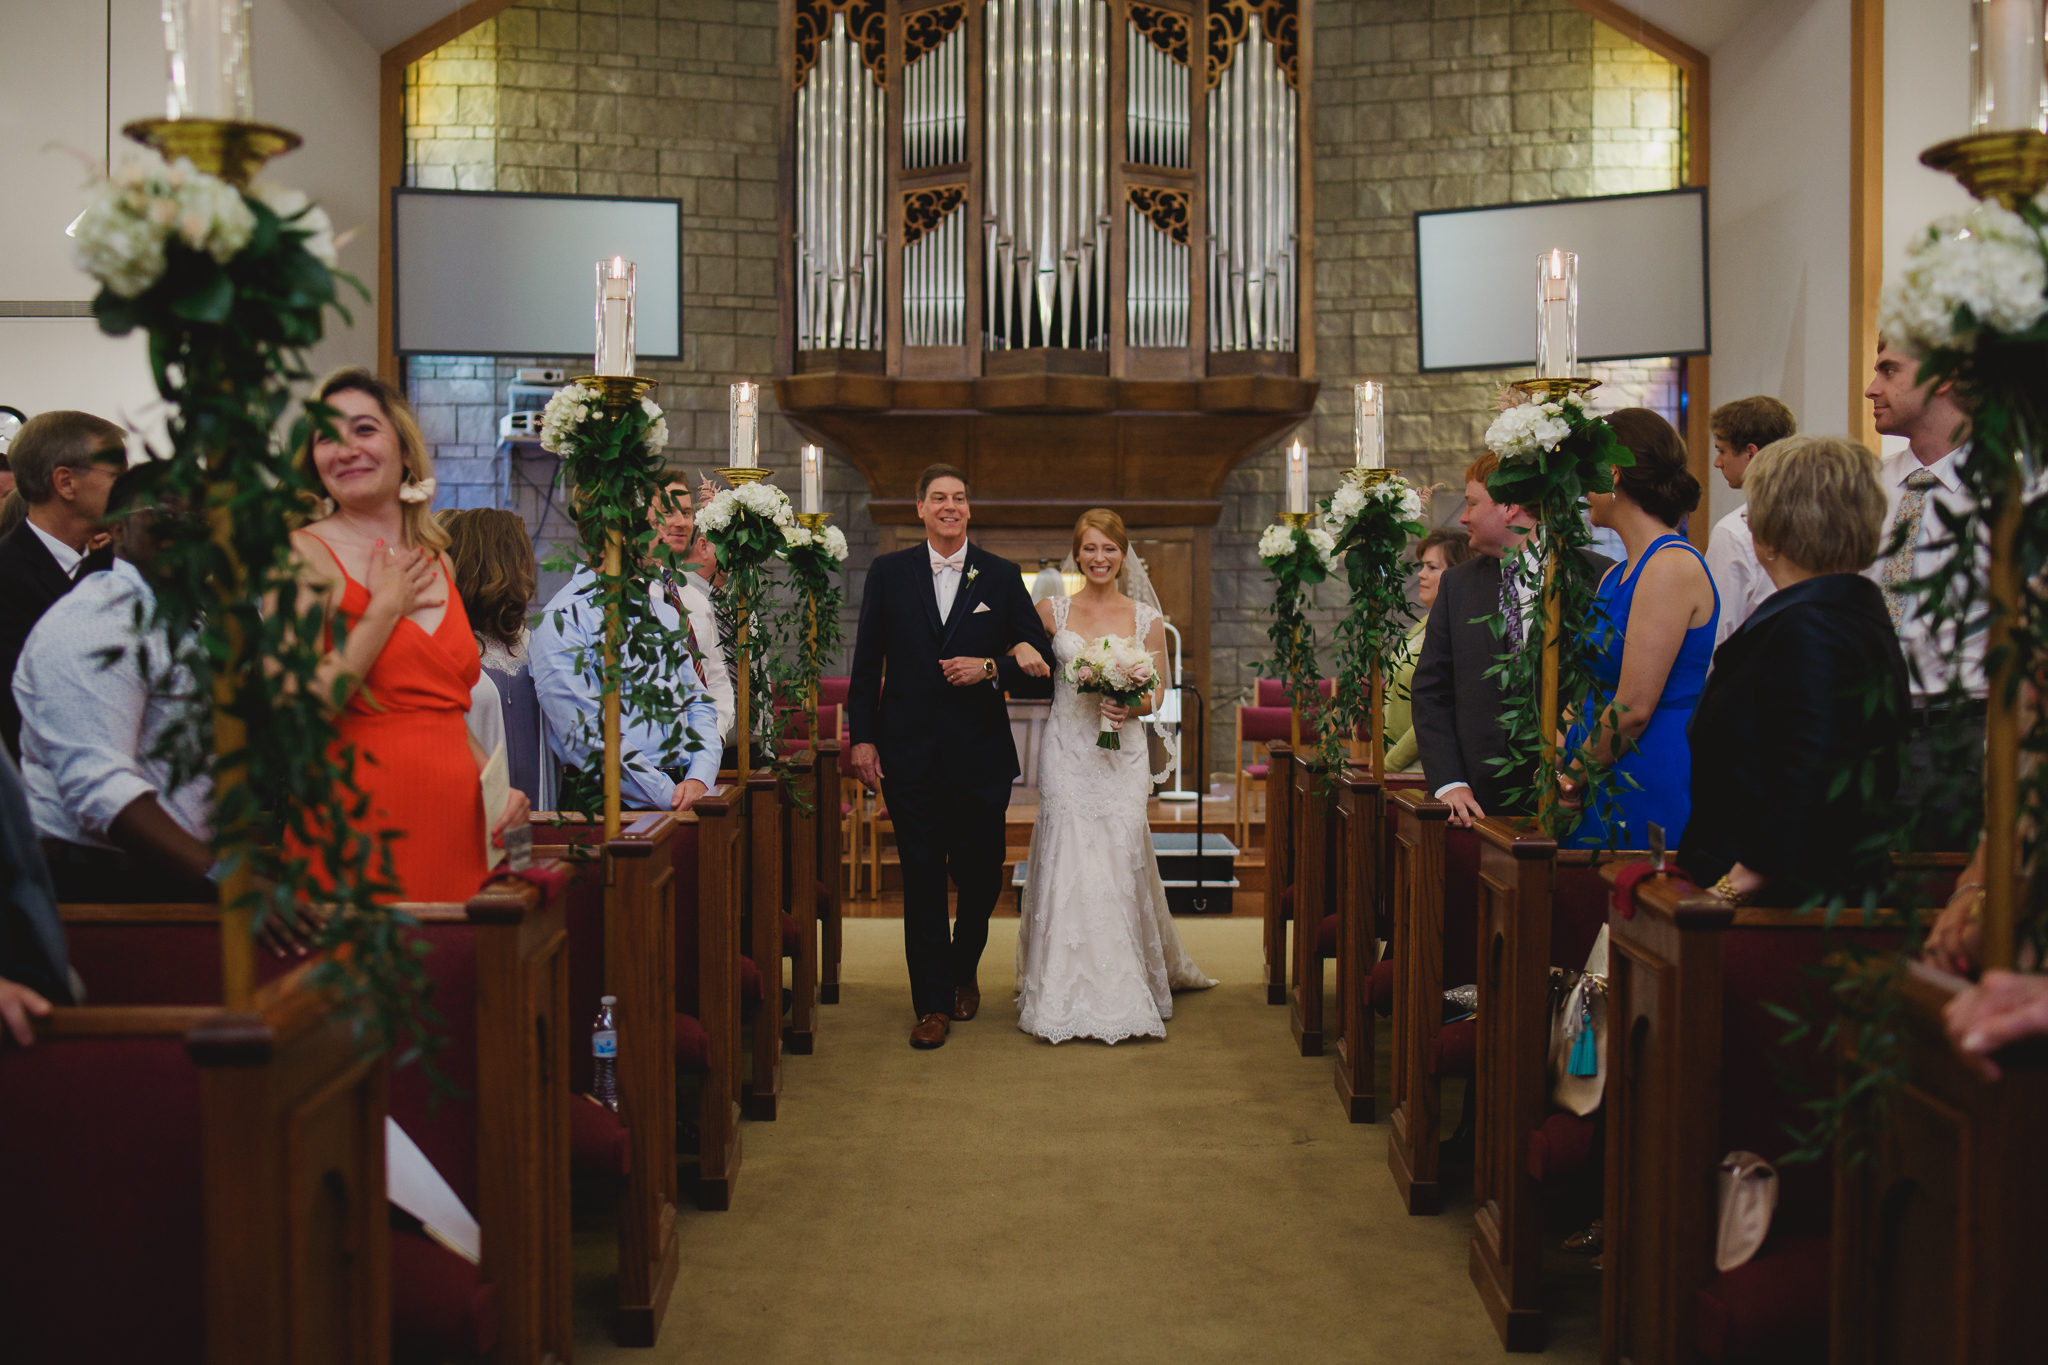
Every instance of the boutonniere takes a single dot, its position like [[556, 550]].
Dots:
[[973, 574]]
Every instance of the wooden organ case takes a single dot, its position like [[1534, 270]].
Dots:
[[1062, 244]]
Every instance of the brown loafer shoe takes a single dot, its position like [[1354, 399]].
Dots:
[[966, 1002], [930, 1032]]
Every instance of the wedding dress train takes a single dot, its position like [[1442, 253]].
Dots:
[[1097, 954]]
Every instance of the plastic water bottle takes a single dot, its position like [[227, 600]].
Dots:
[[604, 1052]]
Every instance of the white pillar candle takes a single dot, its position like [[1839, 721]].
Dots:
[[617, 282], [2006, 48], [813, 484], [1297, 478], [206, 48], [1557, 314], [746, 438], [1368, 425]]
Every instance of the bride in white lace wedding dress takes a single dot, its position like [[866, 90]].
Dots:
[[1097, 954]]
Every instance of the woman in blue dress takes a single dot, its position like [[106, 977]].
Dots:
[[1659, 611]]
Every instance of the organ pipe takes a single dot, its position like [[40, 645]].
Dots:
[[840, 239], [1252, 198]]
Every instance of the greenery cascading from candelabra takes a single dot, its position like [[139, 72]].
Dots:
[[612, 465], [1372, 517], [232, 288], [1297, 558], [1553, 452]]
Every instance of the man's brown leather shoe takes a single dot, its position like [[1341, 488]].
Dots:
[[930, 1032], [966, 1001]]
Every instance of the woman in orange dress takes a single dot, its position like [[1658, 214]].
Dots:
[[408, 660]]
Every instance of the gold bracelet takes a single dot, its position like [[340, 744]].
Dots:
[[1725, 889]]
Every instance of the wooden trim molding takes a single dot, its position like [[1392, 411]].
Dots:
[[1866, 205], [391, 150]]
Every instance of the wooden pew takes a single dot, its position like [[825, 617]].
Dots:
[[831, 853], [1938, 1237], [767, 803], [1279, 868], [1691, 1075], [711, 856], [621, 925], [193, 1185], [1538, 908], [1361, 870], [801, 897], [500, 964], [1434, 878], [1312, 816]]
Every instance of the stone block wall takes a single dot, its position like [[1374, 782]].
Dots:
[[1419, 104]]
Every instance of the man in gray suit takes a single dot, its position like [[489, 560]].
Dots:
[[1456, 706]]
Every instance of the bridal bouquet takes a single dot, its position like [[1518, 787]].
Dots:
[[1118, 669]]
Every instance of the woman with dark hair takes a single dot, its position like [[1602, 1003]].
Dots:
[[1656, 615], [1439, 550], [494, 574]]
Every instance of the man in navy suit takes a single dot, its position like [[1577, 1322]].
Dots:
[[940, 620]]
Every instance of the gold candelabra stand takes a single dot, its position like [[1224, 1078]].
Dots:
[[2008, 168], [1296, 520], [813, 522], [232, 150], [1551, 389]]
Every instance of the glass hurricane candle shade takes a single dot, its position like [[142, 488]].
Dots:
[[2008, 66], [1297, 479], [1368, 425], [208, 61], [617, 281], [1557, 314], [811, 495], [746, 431]]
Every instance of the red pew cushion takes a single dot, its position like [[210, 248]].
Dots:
[[1383, 987], [598, 1142], [792, 937], [693, 1045], [1257, 772], [1326, 937], [1561, 1147], [1772, 1311], [1456, 1049], [441, 1305]]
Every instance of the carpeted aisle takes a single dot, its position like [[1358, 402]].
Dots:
[[1001, 1200]]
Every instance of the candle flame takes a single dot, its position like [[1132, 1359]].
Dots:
[[1556, 263], [618, 267]]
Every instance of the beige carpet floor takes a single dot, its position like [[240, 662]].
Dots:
[[1002, 1200]]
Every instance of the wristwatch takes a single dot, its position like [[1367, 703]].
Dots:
[[988, 668]]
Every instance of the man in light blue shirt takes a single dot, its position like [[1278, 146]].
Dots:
[[566, 650]]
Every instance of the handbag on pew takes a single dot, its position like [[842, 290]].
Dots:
[[1749, 1196], [1578, 1033]]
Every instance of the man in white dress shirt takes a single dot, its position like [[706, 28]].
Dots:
[[64, 464], [1916, 481], [676, 525], [114, 828], [1741, 429]]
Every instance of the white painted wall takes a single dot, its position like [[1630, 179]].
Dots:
[[314, 74], [1779, 215]]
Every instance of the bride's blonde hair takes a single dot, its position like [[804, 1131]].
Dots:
[[1105, 521]]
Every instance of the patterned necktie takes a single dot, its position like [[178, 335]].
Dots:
[[1905, 532], [675, 599], [1511, 603]]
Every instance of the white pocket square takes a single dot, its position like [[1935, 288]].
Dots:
[[978, 607]]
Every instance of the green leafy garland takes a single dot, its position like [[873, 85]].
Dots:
[[1972, 303], [232, 287], [748, 529], [611, 459], [1297, 558], [1552, 454], [1372, 516], [816, 560]]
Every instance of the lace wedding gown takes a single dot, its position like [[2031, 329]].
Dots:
[[1097, 955]]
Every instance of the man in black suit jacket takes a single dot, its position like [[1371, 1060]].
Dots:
[[1455, 705], [940, 620], [64, 463]]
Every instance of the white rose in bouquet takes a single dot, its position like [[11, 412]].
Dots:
[[1347, 502], [1115, 667], [657, 433], [1987, 261], [566, 411], [796, 536]]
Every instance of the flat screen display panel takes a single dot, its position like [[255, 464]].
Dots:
[[1642, 278], [489, 273]]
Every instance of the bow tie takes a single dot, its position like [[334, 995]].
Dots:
[[956, 562]]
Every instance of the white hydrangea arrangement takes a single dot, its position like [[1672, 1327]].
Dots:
[[1985, 270], [563, 419], [763, 500], [1524, 432], [1396, 497], [1278, 543], [829, 539], [133, 216]]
